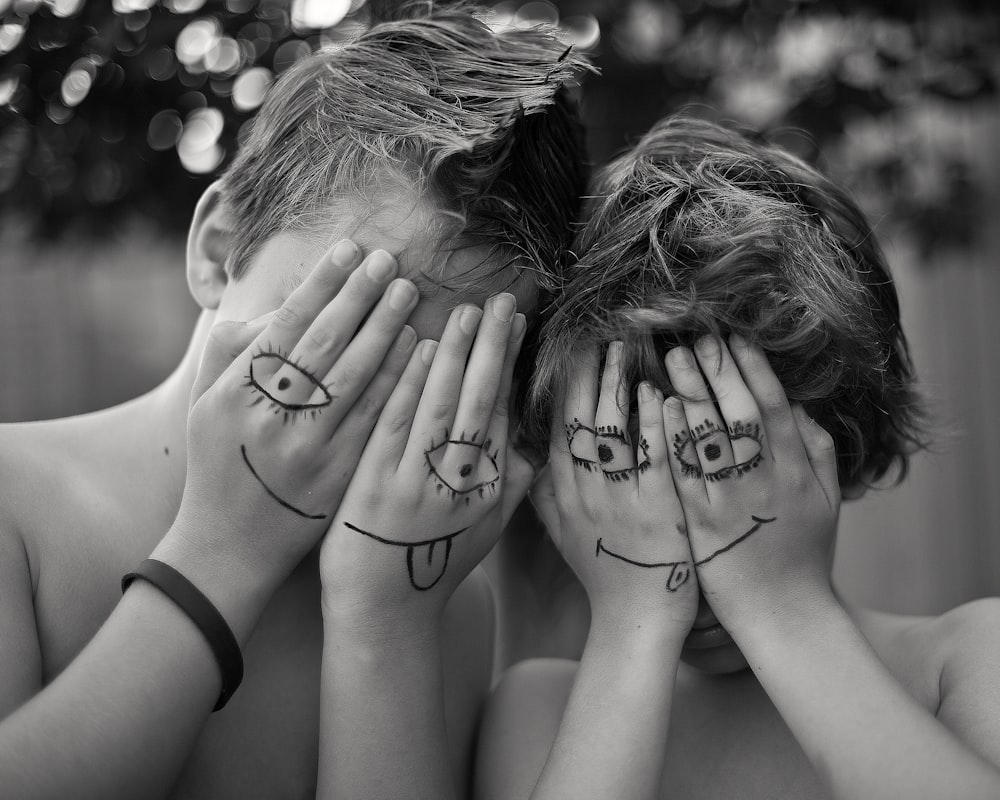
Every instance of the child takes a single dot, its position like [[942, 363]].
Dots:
[[454, 148], [695, 235]]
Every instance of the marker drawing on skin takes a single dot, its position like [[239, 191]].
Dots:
[[412, 549], [284, 503], [758, 521], [679, 570], [613, 448], [303, 379], [700, 444], [476, 460]]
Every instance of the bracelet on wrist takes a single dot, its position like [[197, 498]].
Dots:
[[203, 614]]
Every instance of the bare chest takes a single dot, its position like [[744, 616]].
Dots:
[[731, 742]]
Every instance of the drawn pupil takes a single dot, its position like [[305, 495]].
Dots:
[[455, 482], [712, 452], [605, 453], [276, 360]]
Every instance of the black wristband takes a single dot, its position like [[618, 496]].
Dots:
[[199, 608]]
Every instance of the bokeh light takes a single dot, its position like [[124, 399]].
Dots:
[[249, 88], [318, 14]]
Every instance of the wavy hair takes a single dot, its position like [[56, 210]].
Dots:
[[480, 123], [703, 230]]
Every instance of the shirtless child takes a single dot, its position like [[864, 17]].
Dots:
[[697, 238], [456, 150]]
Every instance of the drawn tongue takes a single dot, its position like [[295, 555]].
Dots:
[[427, 562]]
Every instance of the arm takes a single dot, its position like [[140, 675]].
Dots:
[[613, 512], [425, 506], [770, 583], [122, 718]]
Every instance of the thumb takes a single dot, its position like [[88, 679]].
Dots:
[[820, 451], [543, 498], [226, 340], [520, 476]]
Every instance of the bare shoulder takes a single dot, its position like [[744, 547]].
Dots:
[[519, 726], [965, 646]]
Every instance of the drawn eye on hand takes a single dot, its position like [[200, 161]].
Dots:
[[614, 450], [470, 467], [301, 383], [706, 445]]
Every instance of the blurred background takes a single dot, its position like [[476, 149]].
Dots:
[[115, 115]]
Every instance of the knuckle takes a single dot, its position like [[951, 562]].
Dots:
[[320, 341], [287, 316], [368, 406]]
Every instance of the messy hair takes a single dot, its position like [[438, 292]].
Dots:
[[478, 123], [703, 230]]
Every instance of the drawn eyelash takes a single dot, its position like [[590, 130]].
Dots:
[[477, 454], [290, 410]]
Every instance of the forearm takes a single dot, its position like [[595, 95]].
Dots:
[[612, 738], [122, 718], [865, 735], [382, 721]]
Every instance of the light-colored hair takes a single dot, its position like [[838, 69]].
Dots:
[[703, 230], [478, 123]]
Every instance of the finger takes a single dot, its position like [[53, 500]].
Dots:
[[357, 425], [691, 488], [392, 431], [776, 415], [432, 426], [656, 481], [226, 341], [348, 377], [615, 453], [708, 445], [579, 411], [487, 366], [321, 285], [821, 452], [543, 497], [739, 410], [518, 480], [298, 381]]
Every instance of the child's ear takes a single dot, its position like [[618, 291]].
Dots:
[[207, 247]]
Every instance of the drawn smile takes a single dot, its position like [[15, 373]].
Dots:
[[425, 561], [676, 577]]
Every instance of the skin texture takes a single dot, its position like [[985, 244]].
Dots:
[[383, 728], [143, 687], [837, 702]]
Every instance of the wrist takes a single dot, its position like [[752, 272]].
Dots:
[[237, 591], [658, 633], [809, 616]]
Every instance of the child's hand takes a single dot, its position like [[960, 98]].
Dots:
[[610, 505], [435, 480], [280, 412], [758, 483]]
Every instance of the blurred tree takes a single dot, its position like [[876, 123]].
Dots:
[[111, 110]]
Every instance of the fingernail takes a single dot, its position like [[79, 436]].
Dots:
[[381, 266], [401, 294], [427, 351], [518, 327], [735, 340], [469, 320], [406, 338], [680, 357], [503, 306], [344, 252], [645, 392]]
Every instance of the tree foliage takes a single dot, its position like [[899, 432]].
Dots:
[[128, 108]]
